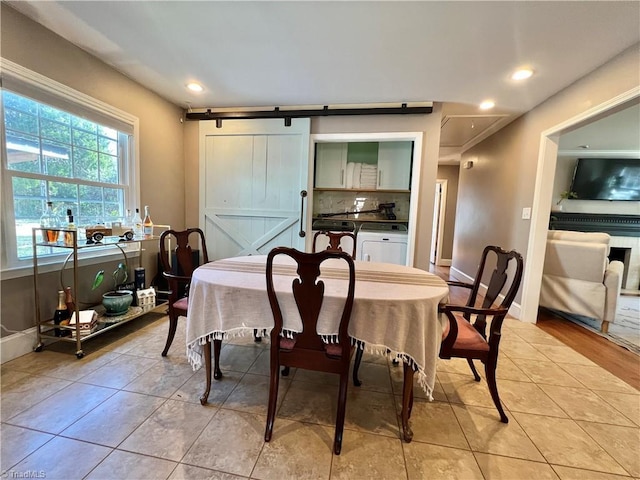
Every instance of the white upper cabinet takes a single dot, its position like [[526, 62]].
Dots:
[[394, 165], [341, 165], [330, 165]]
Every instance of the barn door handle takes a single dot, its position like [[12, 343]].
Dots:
[[303, 194]]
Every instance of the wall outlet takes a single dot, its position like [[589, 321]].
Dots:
[[526, 213]]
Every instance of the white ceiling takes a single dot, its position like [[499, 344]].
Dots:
[[255, 54]]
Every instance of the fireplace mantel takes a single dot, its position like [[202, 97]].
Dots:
[[614, 225]]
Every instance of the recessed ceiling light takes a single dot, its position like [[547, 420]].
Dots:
[[522, 74], [487, 105], [195, 87]]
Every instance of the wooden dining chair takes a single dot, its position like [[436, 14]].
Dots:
[[178, 271], [307, 349], [465, 335], [335, 241]]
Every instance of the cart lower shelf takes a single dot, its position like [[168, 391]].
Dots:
[[104, 323]]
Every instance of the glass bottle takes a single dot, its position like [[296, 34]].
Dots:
[[49, 220], [137, 223], [61, 314], [147, 224], [68, 236], [128, 220]]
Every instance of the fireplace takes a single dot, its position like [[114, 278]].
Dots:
[[622, 255]]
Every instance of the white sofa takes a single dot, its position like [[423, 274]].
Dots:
[[578, 277]]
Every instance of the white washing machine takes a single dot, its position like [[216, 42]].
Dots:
[[382, 242]]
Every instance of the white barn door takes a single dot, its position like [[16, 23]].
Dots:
[[251, 176]]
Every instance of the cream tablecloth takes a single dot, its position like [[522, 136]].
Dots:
[[394, 312]]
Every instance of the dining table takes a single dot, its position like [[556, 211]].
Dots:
[[395, 313]]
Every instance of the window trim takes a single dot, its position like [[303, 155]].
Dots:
[[23, 81]]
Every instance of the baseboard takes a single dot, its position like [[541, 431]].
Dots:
[[18, 344], [515, 310]]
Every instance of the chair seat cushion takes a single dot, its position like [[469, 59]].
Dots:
[[468, 337], [332, 349], [182, 304]]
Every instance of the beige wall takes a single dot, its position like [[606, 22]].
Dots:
[[160, 141], [451, 174], [428, 124], [492, 194]]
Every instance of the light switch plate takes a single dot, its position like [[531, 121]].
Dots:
[[526, 213]]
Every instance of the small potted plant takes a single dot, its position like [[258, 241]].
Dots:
[[563, 196], [115, 302]]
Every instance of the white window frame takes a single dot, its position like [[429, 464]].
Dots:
[[44, 89]]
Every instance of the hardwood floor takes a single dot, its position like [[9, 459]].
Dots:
[[615, 359]]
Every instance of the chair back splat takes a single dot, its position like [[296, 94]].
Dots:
[[465, 335], [307, 349], [335, 241]]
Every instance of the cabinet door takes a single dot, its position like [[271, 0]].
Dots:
[[394, 165], [331, 165]]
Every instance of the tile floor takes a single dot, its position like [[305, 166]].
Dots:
[[124, 412]]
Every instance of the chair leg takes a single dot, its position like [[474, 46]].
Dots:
[[207, 363], [173, 325], [356, 367], [285, 371], [274, 381], [256, 338], [473, 370], [342, 408], [490, 372]]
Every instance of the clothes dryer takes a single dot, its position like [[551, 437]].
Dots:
[[382, 242]]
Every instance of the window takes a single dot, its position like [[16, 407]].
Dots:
[[60, 150]]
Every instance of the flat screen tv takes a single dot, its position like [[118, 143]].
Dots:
[[607, 179]]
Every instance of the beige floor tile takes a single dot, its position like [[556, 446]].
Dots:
[[27, 392], [296, 450], [115, 419], [503, 468], [71, 370], [507, 369], [516, 348], [251, 394], [170, 431], [528, 398], [622, 443], [119, 372], [36, 363], [597, 378], [192, 389], [189, 472], [238, 358], [435, 422], [371, 412], [486, 434], [310, 403], [546, 372], [433, 461], [368, 456], [7, 377], [563, 354], [626, 403], [374, 376], [464, 389], [568, 473], [162, 380], [61, 409], [261, 365], [78, 459], [583, 404], [230, 443], [16, 443], [536, 337], [121, 464], [330, 380], [563, 442]]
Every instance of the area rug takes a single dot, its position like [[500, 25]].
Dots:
[[625, 331]]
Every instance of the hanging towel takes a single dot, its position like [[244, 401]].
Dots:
[[348, 183], [356, 175]]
